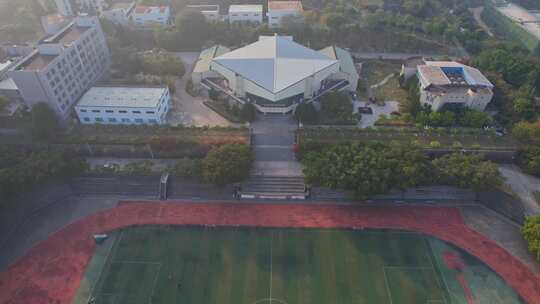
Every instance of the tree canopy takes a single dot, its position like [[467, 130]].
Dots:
[[531, 233], [227, 164], [44, 121]]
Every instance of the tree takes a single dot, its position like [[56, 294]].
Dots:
[[531, 233], [227, 164], [337, 107], [532, 160], [193, 29], [4, 102], [44, 121], [527, 131], [248, 112], [306, 113], [525, 108], [466, 171]]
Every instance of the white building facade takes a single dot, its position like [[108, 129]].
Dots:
[[148, 16], [278, 10], [452, 85], [124, 105], [246, 13], [64, 66]]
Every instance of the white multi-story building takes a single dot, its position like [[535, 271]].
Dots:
[[147, 16], [277, 10], [210, 12], [451, 85], [63, 66], [119, 13], [124, 105], [246, 13]]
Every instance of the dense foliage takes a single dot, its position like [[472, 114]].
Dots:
[[306, 113], [530, 160], [227, 164], [531, 233], [375, 169], [44, 122], [21, 170], [337, 108]]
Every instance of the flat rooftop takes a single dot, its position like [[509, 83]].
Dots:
[[68, 35], [143, 9], [448, 73], [122, 97], [36, 62], [204, 7], [121, 5], [248, 8], [285, 6]]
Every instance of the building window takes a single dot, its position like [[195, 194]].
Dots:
[[126, 120], [136, 112], [86, 119], [99, 119], [109, 111], [122, 111], [83, 110], [96, 111], [112, 119], [139, 120], [150, 112], [152, 121]]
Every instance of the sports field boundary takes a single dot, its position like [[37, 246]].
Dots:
[[52, 270]]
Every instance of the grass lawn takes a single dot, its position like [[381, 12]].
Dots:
[[170, 264], [391, 91], [375, 71]]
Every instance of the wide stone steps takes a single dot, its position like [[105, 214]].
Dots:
[[274, 187]]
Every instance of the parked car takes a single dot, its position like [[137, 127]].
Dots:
[[365, 110]]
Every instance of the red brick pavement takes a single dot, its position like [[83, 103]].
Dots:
[[52, 270]]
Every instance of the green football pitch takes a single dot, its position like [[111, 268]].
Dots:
[[195, 265]]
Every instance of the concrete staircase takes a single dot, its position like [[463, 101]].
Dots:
[[274, 188]]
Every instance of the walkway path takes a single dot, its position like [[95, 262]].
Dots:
[[382, 82], [273, 143], [51, 271], [477, 13], [523, 185]]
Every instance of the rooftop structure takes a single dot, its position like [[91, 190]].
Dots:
[[274, 63], [275, 73], [449, 73], [447, 84], [277, 10], [63, 66], [285, 6], [151, 15], [124, 105], [245, 8], [122, 96]]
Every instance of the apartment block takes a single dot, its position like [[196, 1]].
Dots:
[[63, 66]]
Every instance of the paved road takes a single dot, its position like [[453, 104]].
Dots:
[[189, 110], [523, 185], [477, 14]]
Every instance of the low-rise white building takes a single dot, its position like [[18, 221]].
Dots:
[[124, 105], [277, 10], [246, 13], [147, 16], [451, 85], [210, 12], [119, 13]]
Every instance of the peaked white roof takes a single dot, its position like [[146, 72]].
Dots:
[[275, 63]]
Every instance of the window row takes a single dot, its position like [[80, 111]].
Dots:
[[119, 111], [122, 120]]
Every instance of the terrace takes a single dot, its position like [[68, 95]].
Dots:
[[36, 62]]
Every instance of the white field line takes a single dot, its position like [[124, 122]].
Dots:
[[387, 286], [271, 241]]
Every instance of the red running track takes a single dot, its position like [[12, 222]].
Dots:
[[52, 270]]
